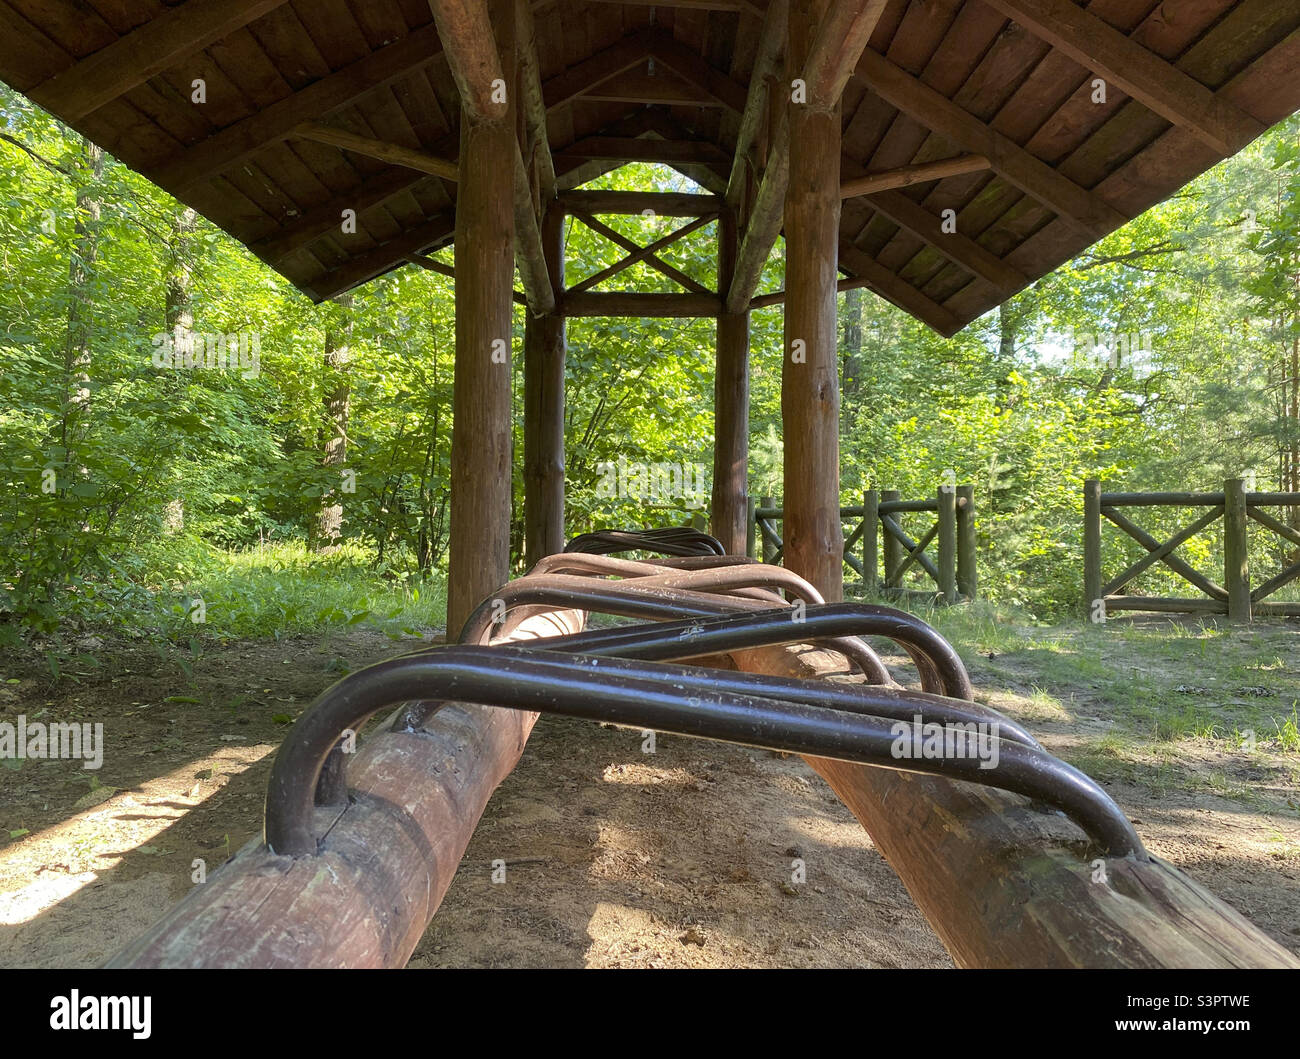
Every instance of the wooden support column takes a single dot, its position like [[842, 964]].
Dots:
[[544, 354], [810, 399], [1236, 570], [967, 578], [947, 499], [893, 549], [871, 541], [479, 547], [730, 406], [1093, 609]]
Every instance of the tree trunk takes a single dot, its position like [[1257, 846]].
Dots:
[[852, 372], [81, 281], [178, 316], [334, 449]]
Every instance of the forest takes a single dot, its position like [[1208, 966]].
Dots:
[[186, 437]]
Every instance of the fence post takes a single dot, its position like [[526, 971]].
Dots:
[[893, 550], [870, 541], [769, 549], [1236, 570], [751, 526], [948, 543], [967, 579], [1091, 549]]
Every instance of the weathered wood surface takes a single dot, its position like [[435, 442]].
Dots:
[[1007, 884], [386, 859]]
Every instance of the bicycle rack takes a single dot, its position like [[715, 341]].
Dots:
[[622, 675]]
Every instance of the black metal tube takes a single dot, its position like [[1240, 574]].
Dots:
[[680, 700], [631, 600]]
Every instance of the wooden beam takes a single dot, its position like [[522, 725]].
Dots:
[[537, 146], [941, 115], [545, 342], [660, 203], [906, 176], [692, 67], [1158, 85], [432, 264], [745, 7], [644, 149], [764, 301], [729, 512], [622, 55], [810, 396], [433, 232], [621, 303], [825, 71], [275, 123], [765, 72], [653, 260], [898, 291], [482, 421], [162, 42], [638, 86], [393, 153], [641, 254], [328, 216], [956, 247]]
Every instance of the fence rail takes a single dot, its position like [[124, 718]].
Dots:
[[1234, 597], [879, 533]]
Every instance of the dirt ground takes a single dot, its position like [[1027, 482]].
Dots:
[[614, 857]]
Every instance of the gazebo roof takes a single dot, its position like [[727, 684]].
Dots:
[[316, 107]]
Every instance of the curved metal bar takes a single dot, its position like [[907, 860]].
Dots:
[[678, 701], [669, 541], [633, 600], [942, 670]]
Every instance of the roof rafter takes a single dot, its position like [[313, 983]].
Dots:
[[622, 55], [145, 52], [898, 291], [380, 149], [276, 122], [941, 115], [1158, 85]]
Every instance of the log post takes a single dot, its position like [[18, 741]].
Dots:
[[893, 549], [479, 545], [769, 549], [1236, 569], [545, 349], [810, 399], [871, 541], [730, 405], [1093, 608], [967, 578], [947, 497], [751, 527]]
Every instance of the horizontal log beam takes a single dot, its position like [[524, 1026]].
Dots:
[[1012, 162], [638, 86], [165, 40], [275, 123], [384, 151], [763, 301], [622, 303], [644, 149], [906, 176], [441, 268], [660, 203], [1158, 85]]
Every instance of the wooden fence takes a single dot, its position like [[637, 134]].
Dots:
[[879, 533], [1234, 597]]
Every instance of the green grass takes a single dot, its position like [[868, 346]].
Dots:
[[190, 590]]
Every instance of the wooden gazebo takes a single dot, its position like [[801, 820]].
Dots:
[[943, 153]]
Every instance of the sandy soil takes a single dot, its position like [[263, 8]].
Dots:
[[615, 857]]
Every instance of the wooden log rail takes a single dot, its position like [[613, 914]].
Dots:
[[1234, 597], [952, 570]]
